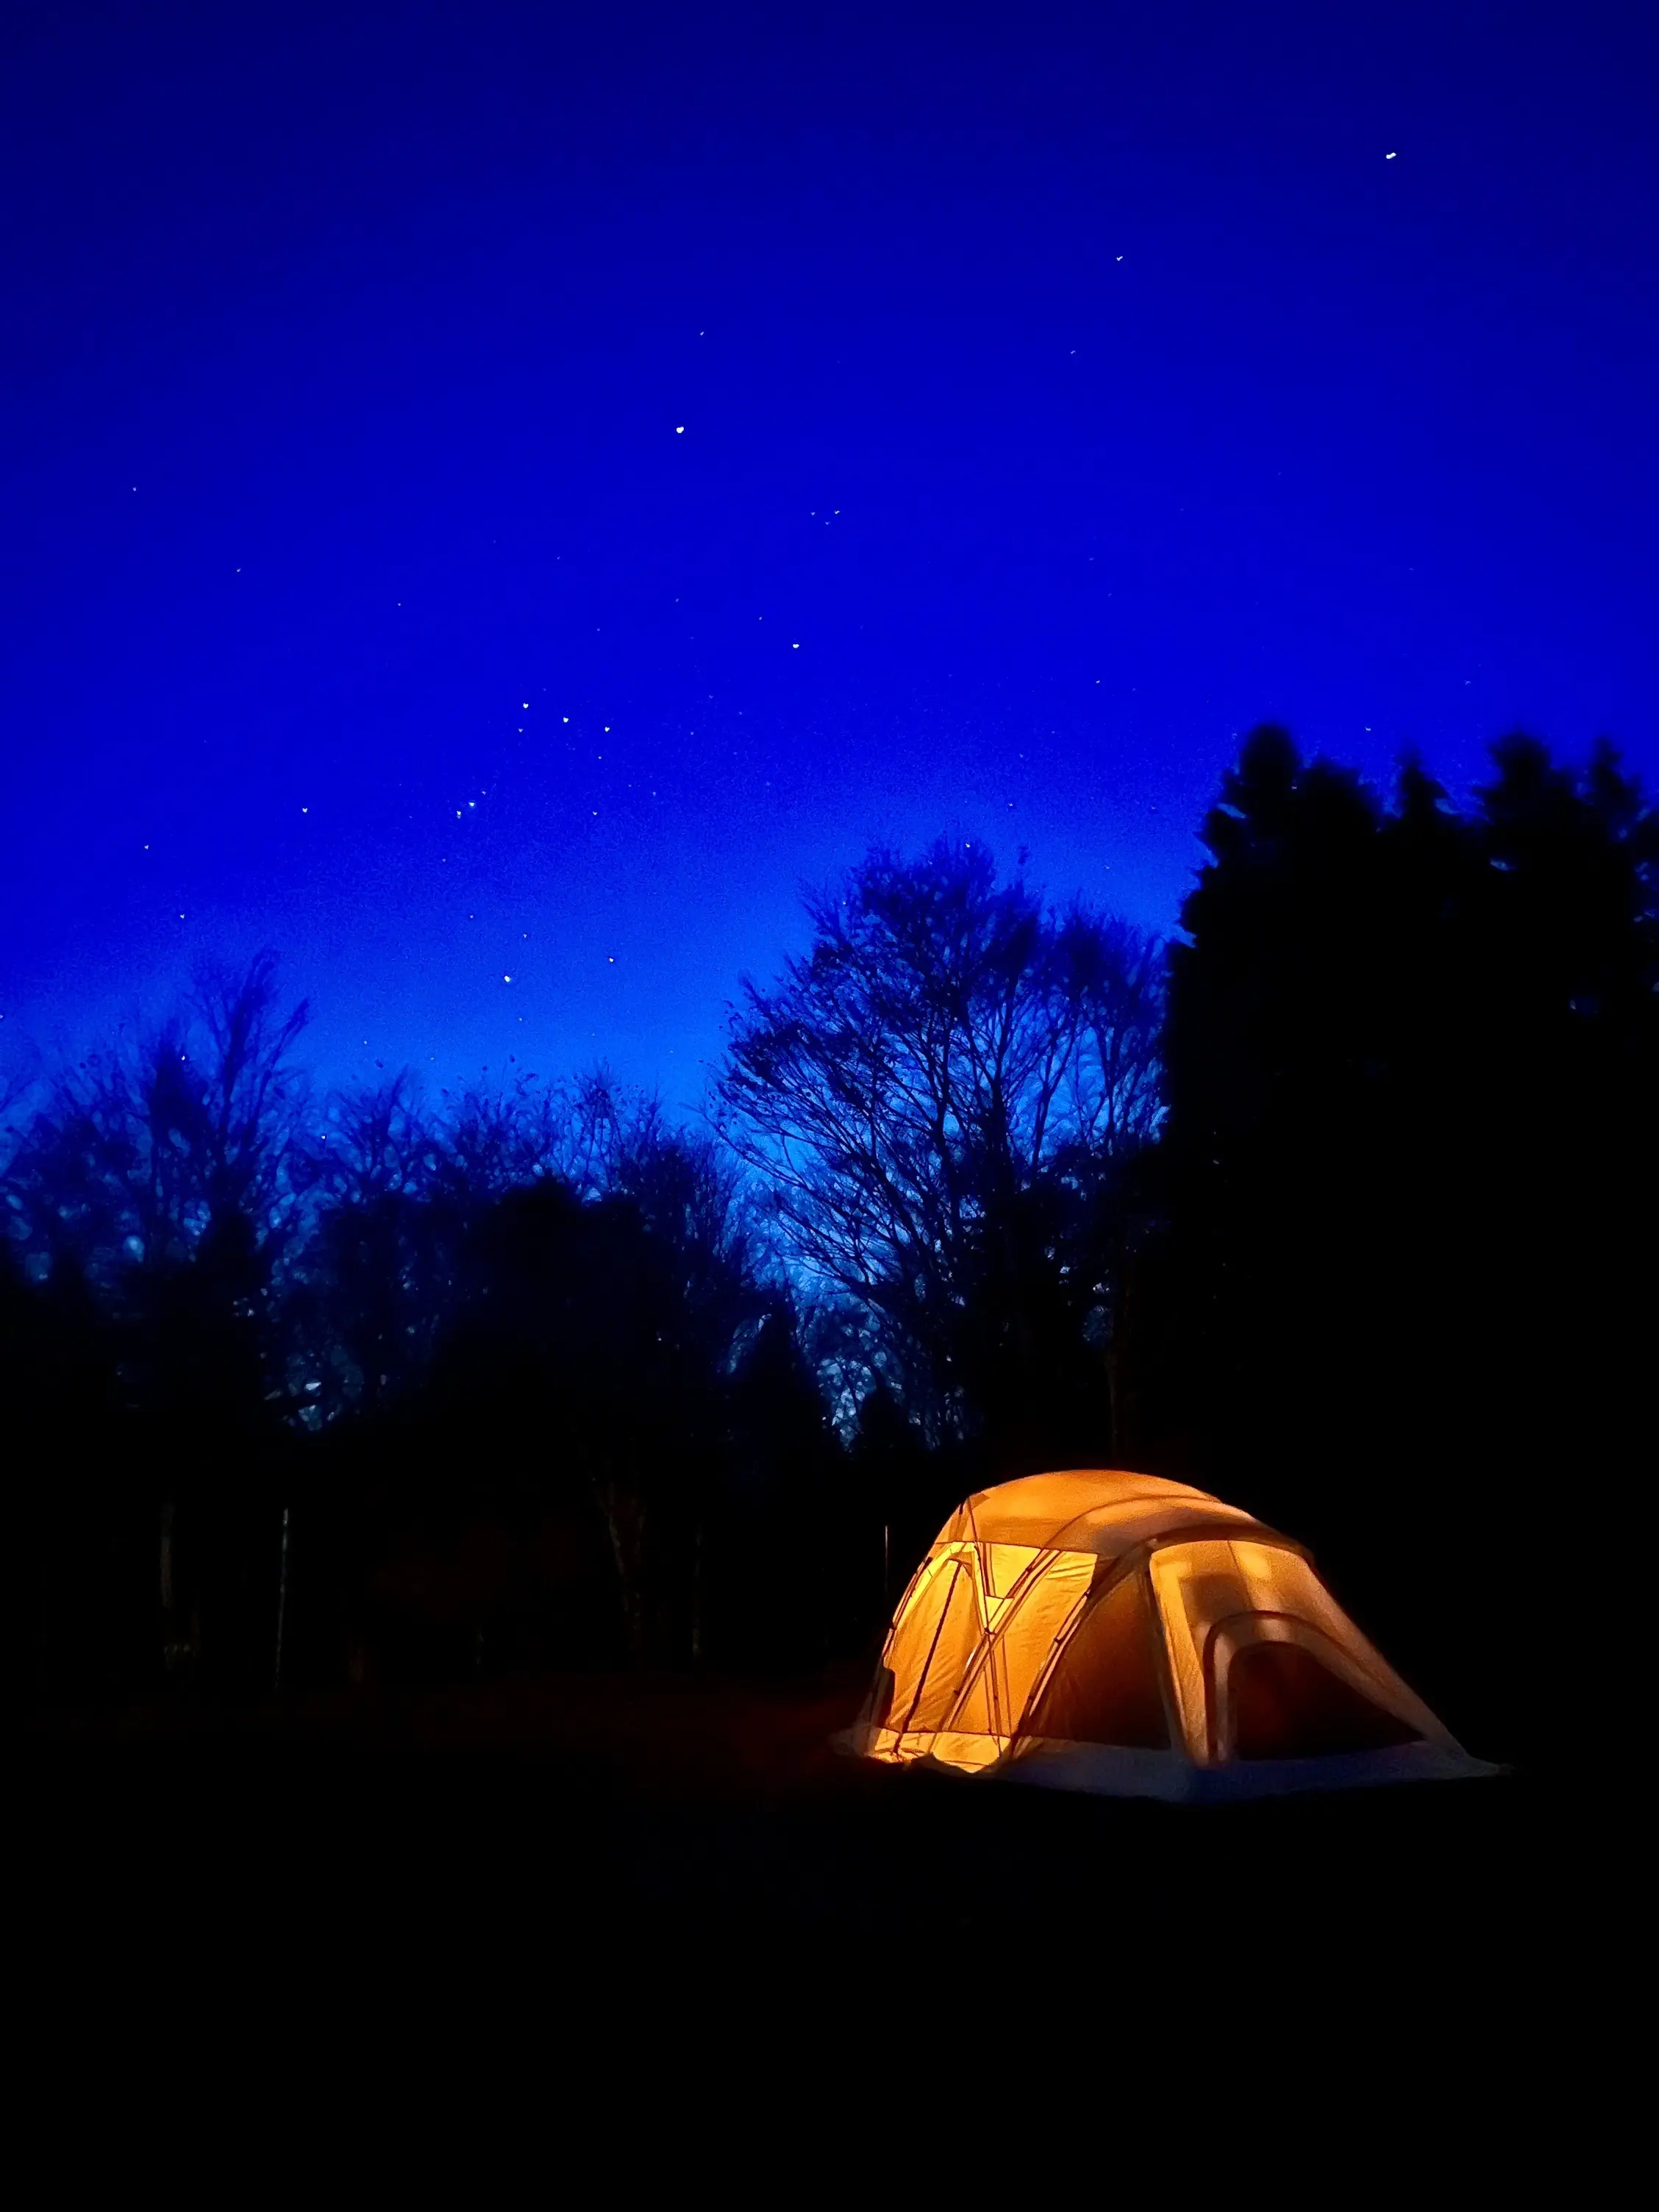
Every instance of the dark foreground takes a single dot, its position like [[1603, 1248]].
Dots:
[[688, 1860]]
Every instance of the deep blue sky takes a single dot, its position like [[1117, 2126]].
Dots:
[[859, 423]]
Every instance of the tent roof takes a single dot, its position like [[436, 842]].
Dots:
[[1098, 1509]]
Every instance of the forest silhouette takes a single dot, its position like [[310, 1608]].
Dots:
[[1343, 1204]]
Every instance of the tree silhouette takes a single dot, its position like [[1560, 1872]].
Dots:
[[587, 1368], [83, 1622], [931, 1099], [539, 1306], [1408, 1173], [172, 1179]]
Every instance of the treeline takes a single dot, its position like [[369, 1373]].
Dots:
[[1344, 1205]]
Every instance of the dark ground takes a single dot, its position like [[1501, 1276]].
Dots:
[[621, 1867]]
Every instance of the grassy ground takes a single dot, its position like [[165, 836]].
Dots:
[[669, 1855]]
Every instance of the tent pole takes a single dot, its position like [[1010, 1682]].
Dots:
[[282, 1607]]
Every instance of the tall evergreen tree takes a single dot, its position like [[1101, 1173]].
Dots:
[[1409, 1175]]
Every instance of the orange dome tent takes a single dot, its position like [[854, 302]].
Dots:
[[1115, 1632]]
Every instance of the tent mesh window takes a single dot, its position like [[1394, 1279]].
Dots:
[[1286, 1705]]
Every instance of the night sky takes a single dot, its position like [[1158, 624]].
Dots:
[[508, 494]]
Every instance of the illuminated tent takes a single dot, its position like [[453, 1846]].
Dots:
[[1119, 1634]]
